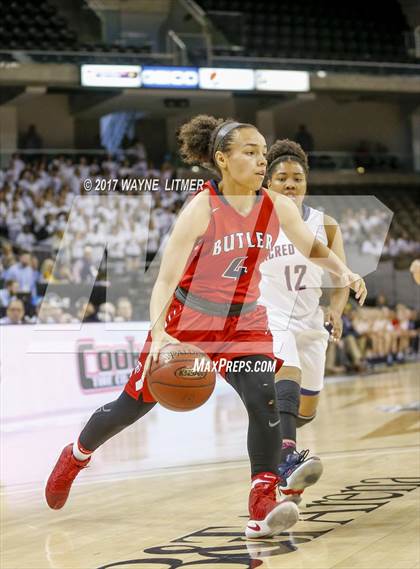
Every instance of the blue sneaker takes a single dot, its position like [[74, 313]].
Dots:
[[297, 473]]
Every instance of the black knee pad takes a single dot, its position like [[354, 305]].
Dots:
[[302, 421], [288, 396], [256, 389], [261, 397]]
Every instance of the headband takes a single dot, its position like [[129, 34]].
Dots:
[[281, 159], [224, 130]]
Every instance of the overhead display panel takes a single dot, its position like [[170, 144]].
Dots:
[[170, 77], [207, 78], [276, 80], [226, 79], [111, 76]]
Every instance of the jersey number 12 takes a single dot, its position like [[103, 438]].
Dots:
[[300, 271]]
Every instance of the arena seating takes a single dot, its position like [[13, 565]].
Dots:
[[290, 29], [325, 29], [34, 26], [38, 26]]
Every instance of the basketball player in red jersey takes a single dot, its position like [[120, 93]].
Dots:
[[206, 294]]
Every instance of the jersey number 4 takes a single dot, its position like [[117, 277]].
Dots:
[[236, 268], [300, 271]]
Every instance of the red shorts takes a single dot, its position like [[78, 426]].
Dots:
[[220, 337]]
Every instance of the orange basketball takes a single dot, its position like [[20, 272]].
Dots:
[[182, 379]]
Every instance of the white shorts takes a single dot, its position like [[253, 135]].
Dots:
[[304, 349]]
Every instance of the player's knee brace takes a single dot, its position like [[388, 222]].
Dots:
[[288, 396], [302, 421], [256, 390], [260, 398]]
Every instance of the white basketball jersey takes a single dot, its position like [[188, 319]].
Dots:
[[291, 284]]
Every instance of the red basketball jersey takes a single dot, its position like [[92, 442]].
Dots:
[[224, 264]]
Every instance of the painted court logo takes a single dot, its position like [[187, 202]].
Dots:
[[227, 545]]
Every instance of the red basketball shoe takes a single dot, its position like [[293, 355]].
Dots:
[[62, 476], [268, 517]]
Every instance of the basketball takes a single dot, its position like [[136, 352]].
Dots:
[[174, 380]]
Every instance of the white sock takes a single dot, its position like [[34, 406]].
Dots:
[[78, 453]]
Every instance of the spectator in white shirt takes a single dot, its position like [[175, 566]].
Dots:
[[26, 239], [15, 313], [106, 312], [16, 166], [125, 169], [75, 181], [82, 168], [124, 310], [372, 246], [15, 222], [85, 270]]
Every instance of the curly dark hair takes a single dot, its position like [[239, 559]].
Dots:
[[196, 139], [286, 150]]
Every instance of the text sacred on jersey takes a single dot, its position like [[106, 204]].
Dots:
[[282, 250], [240, 240]]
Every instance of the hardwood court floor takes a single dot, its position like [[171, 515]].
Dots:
[[172, 490]]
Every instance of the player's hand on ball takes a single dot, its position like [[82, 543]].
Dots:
[[159, 339], [357, 284], [333, 318]]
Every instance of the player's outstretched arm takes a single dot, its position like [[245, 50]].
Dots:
[[191, 224], [338, 295], [297, 232]]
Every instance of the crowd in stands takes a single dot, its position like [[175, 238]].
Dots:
[[49, 237], [52, 309], [37, 207], [374, 335], [367, 229], [37, 197]]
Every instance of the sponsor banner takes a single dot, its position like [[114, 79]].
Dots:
[[49, 369], [170, 77], [52, 369], [224, 78], [110, 76], [275, 80], [215, 78]]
